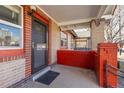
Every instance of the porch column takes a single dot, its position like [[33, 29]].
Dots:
[[27, 39], [97, 32], [107, 54]]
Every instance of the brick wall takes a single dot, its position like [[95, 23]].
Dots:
[[27, 39], [11, 72], [12, 66], [12, 56], [8, 57], [107, 53], [28, 35]]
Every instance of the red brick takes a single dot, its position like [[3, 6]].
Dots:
[[107, 51]]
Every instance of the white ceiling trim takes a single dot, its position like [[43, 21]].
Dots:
[[75, 26], [75, 21], [104, 10], [107, 16], [109, 9], [47, 14], [101, 11]]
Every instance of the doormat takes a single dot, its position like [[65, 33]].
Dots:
[[48, 77]]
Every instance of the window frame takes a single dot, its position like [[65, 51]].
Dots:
[[15, 26], [61, 39]]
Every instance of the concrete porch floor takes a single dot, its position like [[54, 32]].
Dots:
[[70, 77]]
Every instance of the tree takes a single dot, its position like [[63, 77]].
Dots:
[[114, 31]]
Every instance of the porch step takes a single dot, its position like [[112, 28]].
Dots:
[[41, 72]]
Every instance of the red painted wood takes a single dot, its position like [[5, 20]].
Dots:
[[37, 15], [15, 52], [83, 59]]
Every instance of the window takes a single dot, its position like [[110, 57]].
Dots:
[[63, 40], [85, 32], [82, 40], [11, 27], [81, 43], [72, 42], [11, 14], [9, 36]]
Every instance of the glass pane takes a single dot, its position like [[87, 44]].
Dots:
[[9, 36], [63, 40], [10, 14]]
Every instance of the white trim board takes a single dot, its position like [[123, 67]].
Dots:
[[47, 14], [75, 21]]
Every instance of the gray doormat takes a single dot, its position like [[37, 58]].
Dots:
[[48, 77]]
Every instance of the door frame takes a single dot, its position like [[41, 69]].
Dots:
[[47, 45]]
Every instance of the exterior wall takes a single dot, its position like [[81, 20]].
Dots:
[[89, 43], [53, 37], [15, 55], [27, 40], [97, 32], [28, 36], [55, 41], [11, 72], [69, 40], [12, 66]]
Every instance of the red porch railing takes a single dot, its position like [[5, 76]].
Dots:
[[92, 60], [83, 59]]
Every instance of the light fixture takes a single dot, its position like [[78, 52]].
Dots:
[[33, 9]]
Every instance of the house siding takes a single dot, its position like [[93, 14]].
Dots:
[[55, 42], [11, 72]]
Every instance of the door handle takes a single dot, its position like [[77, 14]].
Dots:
[[44, 46], [32, 44]]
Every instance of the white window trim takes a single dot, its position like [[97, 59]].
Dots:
[[9, 23], [16, 26]]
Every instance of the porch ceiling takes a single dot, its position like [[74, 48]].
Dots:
[[75, 14], [67, 14]]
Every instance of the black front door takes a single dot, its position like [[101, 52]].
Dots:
[[39, 45]]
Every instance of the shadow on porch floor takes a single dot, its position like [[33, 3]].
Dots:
[[70, 77]]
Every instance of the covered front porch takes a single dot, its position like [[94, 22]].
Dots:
[[74, 44]]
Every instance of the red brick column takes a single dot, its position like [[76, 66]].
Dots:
[[107, 53], [27, 39]]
